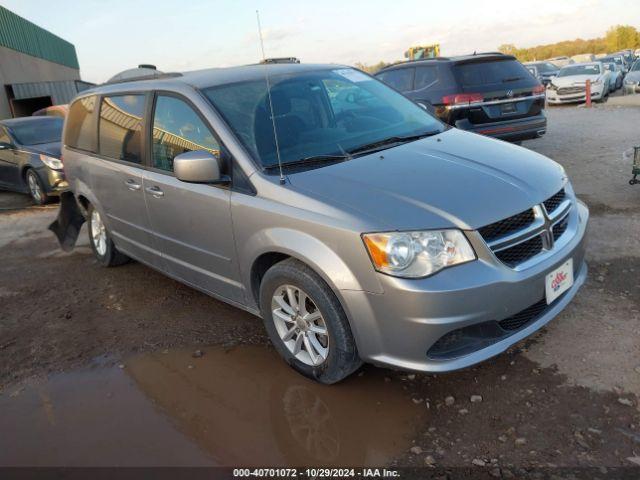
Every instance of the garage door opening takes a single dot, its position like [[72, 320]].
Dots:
[[26, 106]]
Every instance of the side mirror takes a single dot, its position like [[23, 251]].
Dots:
[[198, 166]]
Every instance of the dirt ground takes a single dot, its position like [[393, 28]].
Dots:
[[566, 397]]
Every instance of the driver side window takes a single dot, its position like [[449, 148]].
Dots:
[[177, 128]]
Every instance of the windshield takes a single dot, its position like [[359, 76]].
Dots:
[[317, 114], [617, 60], [44, 130], [636, 66], [490, 72], [545, 67], [579, 70]]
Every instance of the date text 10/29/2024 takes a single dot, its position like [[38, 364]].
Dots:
[[315, 473]]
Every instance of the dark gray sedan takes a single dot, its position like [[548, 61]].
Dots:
[[30, 157]]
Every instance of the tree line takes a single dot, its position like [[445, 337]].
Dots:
[[618, 37]]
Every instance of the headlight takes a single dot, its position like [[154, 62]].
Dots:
[[417, 254], [51, 162], [552, 86]]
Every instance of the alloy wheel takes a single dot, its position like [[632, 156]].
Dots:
[[34, 187], [98, 233], [300, 325]]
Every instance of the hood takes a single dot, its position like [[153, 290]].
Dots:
[[51, 149], [574, 80], [456, 179]]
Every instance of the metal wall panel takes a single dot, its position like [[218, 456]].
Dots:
[[60, 92], [24, 36]]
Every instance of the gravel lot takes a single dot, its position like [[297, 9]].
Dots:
[[567, 397]]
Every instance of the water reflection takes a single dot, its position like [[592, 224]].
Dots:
[[245, 406], [237, 407]]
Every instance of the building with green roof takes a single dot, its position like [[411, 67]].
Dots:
[[37, 68]]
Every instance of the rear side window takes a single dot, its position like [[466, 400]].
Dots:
[[425, 76], [121, 127], [80, 131], [500, 72], [400, 79]]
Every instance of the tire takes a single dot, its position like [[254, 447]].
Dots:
[[340, 357], [36, 188], [103, 247]]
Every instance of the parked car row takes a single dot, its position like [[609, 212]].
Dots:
[[606, 74]]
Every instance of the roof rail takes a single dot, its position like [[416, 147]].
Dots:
[[280, 60], [492, 53], [142, 72]]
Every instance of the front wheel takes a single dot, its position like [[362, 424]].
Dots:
[[36, 189], [103, 247], [306, 323]]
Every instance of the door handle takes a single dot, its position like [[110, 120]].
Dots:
[[155, 191], [132, 185]]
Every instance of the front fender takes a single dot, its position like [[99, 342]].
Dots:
[[309, 250]]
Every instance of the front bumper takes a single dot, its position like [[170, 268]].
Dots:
[[54, 181], [400, 326], [554, 98], [631, 89]]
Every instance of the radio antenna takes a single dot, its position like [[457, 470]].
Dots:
[[273, 118]]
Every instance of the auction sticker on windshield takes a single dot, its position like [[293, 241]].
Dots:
[[559, 281], [352, 75]]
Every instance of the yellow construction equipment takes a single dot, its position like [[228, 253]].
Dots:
[[423, 51]]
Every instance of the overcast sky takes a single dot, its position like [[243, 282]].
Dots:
[[113, 35]]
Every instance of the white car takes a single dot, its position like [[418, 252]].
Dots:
[[570, 84], [560, 61], [583, 57], [615, 75], [632, 80]]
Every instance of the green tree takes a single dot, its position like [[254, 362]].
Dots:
[[621, 37], [507, 48]]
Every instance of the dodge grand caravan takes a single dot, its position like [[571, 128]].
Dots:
[[357, 225]]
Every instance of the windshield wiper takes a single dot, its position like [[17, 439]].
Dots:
[[389, 142], [313, 159]]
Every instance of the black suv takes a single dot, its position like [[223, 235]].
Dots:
[[489, 93]]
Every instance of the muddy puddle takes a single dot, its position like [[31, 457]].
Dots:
[[242, 406]]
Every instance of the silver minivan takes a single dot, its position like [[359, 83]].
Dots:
[[357, 225]]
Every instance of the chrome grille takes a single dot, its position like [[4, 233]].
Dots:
[[520, 252], [521, 237], [570, 90], [507, 226], [560, 227], [554, 201]]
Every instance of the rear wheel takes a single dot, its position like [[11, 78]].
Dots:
[[306, 323], [103, 247], [36, 189]]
